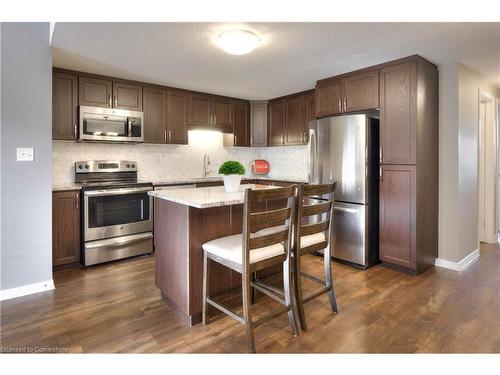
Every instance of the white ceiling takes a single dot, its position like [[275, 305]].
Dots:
[[291, 58]]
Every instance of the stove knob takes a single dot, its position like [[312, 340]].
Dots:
[[128, 165], [80, 166], [133, 165], [86, 166]]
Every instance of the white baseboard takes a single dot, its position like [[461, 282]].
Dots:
[[458, 266], [26, 289]]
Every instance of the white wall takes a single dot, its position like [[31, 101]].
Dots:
[[26, 117], [458, 164], [167, 162]]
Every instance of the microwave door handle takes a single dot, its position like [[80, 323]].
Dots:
[[129, 123]]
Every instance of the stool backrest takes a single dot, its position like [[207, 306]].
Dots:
[[314, 215], [254, 220]]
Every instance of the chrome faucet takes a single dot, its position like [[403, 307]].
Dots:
[[206, 166]]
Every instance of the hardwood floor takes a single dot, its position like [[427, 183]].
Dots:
[[117, 308]]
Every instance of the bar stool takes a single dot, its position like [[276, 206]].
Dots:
[[250, 252], [313, 232]]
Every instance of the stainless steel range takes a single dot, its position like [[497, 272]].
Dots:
[[117, 211]]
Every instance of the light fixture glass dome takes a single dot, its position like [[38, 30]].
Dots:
[[238, 42]]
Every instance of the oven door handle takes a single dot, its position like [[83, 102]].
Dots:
[[115, 242], [106, 192]]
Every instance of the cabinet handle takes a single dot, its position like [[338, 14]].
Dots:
[[251, 141], [340, 105], [282, 139], [76, 135], [215, 119], [381, 154], [116, 101], [165, 136], [345, 104], [77, 199], [169, 136], [381, 173], [235, 140], [109, 100]]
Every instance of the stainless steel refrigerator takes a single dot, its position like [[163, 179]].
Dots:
[[344, 149]]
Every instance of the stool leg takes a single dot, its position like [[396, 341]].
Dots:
[[245, 288], [204, 305], [298, 292], [252, 295], [287, 291], [329, 279]]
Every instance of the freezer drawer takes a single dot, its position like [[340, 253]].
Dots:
[[349, 242]]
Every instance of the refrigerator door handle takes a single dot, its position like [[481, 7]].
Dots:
[[311, 155], [343, 209]]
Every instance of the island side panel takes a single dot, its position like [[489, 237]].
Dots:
[[205, 225], [171, 239]]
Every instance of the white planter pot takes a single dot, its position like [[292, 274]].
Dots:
[[232, 183]]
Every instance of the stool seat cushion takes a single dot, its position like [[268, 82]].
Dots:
[[231, 248]]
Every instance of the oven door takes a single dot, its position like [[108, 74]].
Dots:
[[116, 212]]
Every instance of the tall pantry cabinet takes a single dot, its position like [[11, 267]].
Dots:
[[409, 164]]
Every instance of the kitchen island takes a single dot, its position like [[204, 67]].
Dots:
[[184, 219]]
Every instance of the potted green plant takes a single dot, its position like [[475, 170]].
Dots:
[[232, 170]]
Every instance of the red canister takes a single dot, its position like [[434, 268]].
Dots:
[[259, 166]]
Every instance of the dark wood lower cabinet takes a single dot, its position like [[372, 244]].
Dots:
[[398, 215], [65, 227]]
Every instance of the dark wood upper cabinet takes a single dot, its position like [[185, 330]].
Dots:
[[95, 92], [398, 113], [310, 104], [177, 117], [155, 115], [258, 124], [64, 106], [65, 227], [397, 215], [294, 112], [329, 96], [361, 91], [127, 96], [241, 123], [222, 113], [200, 110], [275, 126]]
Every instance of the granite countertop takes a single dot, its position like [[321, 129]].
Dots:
[[205, 197], [67, 186]]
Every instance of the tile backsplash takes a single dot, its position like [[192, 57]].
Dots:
[[168, 162]]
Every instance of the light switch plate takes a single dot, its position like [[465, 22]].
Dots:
[[25, 154]]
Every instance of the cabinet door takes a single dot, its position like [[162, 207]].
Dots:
[[275, 128], [310, 104], [294, 120], [258, 124], [398, 215], [398, 103], [155, 116], [127, 96], [95, 92], [240, 123], [177, 117], [64, 106], [328, 97], [65, 227], [361, 91], [200, 110], [222, 114]]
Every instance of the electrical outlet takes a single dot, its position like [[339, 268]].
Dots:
[[25, 154]]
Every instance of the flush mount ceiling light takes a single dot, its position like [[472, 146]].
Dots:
[[238, 42]]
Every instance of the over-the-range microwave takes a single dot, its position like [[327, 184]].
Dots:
[[110, 125]]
